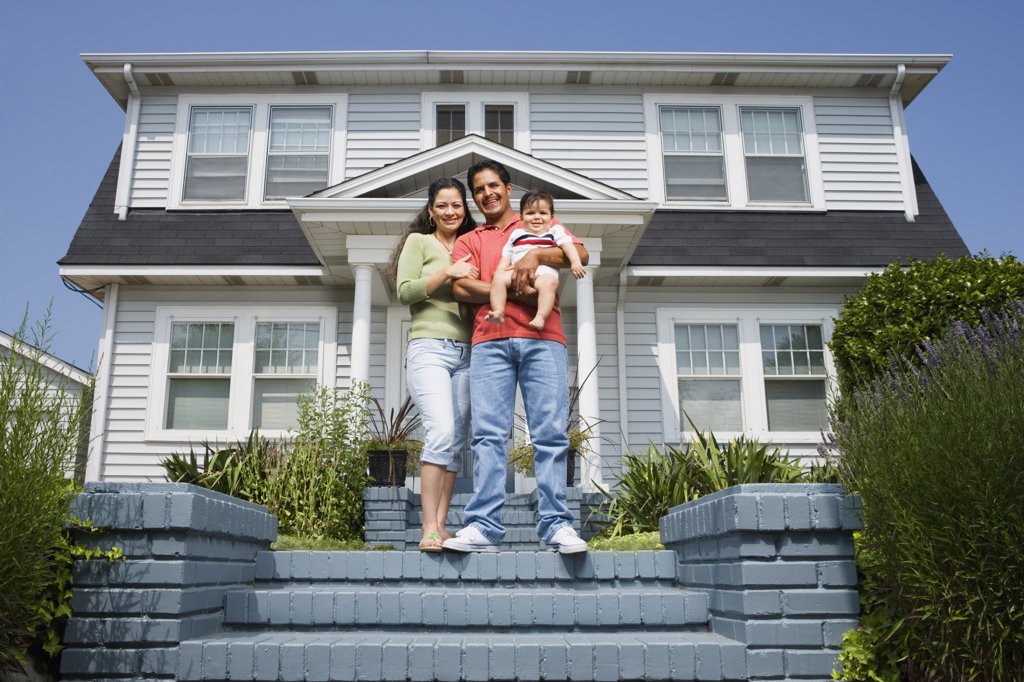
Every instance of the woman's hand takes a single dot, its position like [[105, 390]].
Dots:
[[460, 268]]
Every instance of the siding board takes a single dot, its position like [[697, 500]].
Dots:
[[382, 128], [153, 145]]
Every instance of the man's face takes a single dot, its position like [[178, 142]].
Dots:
[[491, 195]]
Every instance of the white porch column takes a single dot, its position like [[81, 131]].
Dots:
[[586, 372], [361, 322]]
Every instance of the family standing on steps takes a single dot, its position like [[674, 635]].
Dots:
[[505, 270]]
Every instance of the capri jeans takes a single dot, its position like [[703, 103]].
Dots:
[[437, 375]]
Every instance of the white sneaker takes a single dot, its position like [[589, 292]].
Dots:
[[567, 541], [470, 539]]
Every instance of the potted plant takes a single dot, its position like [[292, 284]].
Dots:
[[391, 450]]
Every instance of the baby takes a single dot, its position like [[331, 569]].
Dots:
[[537, 210]]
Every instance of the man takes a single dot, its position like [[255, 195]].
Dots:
[[503, 356]]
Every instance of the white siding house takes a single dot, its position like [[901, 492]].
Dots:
[[729, 202]]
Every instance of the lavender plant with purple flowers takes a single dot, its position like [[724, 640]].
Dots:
[[935, 448]]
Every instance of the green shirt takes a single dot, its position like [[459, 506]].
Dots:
[[439, 315]]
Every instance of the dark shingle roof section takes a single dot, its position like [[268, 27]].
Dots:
[[159, 237], [834, 239]]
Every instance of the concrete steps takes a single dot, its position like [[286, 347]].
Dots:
[[407, 615]]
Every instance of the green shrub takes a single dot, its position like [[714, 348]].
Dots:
[[313, 483], [40, 434], [936, 450], [653, 482], [899, 307]]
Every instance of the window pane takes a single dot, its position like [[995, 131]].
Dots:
[[197, 403], [287, 347], [215, 178], [215, 130], [300, 129], [776, 179], [793, 349], [796, 405], [499, 124], [291, 175], [451, 122], [275, 402], [695, 177], [710, 404], [199, 348], [707, 349]]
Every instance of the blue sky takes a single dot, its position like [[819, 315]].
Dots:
[[60, 128]]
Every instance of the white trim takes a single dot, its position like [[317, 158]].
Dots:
[[732, 143], [903, 159], [398, 317], [748, 271], [193, 270], [241, 389], [752, 397], [50, 362], [475, 103], [101, 396], [126, 169], [260, 104]]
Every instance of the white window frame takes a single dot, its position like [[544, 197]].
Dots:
[[242, 377], [753, 404], [732, 143], [475, 103], [259, 140]]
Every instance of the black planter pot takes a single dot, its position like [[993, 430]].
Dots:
[[570, 467], [387, 468]]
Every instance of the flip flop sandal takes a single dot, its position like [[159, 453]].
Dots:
[[431, 542]]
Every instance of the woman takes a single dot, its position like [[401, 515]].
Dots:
[[437, 356]]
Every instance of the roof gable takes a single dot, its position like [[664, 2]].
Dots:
[[410, 177]]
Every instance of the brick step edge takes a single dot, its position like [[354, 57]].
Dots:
[[295, 566], [495, 608], [419, 656]]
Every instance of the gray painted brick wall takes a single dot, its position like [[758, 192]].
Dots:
[[776, 562]]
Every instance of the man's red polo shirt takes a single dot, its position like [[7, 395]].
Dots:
[[484, 245]]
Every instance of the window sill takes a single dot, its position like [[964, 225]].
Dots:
[[748, 208]]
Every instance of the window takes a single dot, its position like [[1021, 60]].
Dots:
[[299, 151], [218, 153], [734, 152], [249, 151], [774, 155], [694, 155], [451, 122], [499, 117], [218, 373], [736, 370], [708, 369], [286, 362]]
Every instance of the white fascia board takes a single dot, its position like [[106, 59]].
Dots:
[[743, 271], [194, 270], [335, 210], [473, 144], [51, 362]]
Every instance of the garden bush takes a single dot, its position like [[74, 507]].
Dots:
[[40, 434], [899, 307], [654, 481], [935, 448], [313, 482]]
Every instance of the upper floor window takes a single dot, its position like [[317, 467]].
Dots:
[[299, 151], [500, 117], [249, 151], [218, 153], [734, 151], [774, 154]]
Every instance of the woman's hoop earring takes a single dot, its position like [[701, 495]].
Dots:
[[430, 221]]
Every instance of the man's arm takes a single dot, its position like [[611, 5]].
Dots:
[[525, 270]]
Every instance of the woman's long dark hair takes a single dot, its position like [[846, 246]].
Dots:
[[422, 224]]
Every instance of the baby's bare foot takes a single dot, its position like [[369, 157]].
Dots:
[[496, 316], [538, 323]]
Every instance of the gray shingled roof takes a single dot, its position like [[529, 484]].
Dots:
[[836, 238], [159, 237]]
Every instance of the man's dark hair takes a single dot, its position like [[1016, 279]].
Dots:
[[535, 196], [487, 164]]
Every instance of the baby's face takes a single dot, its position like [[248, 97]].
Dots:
[[537, 217]]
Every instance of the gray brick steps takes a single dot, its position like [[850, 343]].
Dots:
[[528, 608], [382, 655]]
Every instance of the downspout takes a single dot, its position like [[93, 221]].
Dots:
[[101, 395], [620, 343], [128, 140], [899, 125]]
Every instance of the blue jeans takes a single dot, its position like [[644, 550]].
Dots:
[[541, 370], [437, 375]]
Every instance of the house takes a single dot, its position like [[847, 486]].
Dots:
[[59, 377], [238, 241]]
